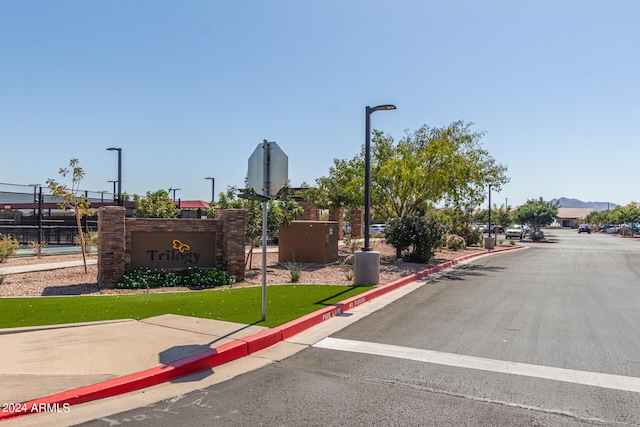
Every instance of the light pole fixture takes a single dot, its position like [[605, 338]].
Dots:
[[174, 192], [367, 172], [114, 189], [119, 150], [213, 188]]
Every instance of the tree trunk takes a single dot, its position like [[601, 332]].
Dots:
[[81, 236]]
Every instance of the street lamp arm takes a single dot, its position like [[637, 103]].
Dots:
[[381, 107]]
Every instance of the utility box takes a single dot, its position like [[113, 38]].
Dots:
[[313, 242]]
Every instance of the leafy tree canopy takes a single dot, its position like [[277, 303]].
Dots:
[[619, 215], [428, 166], [536, 213], [155, 205]]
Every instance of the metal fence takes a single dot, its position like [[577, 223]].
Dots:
[[41, 221]]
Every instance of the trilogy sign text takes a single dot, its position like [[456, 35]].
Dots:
[[166, 250]]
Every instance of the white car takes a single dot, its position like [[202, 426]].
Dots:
[[514, 231], [376, 229]]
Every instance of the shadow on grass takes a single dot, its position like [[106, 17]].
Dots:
[[324, 301], [79, 289]]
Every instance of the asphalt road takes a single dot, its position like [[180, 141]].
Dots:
[[549, 336]]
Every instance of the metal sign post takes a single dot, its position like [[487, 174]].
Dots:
[[268, 169]]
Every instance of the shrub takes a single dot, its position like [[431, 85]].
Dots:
[[192, 277], [455, 242], [197, 278], [145, 278], [8, 247], [295, 268], [537, 235], [414, 237], [474, 237], [37, 248]]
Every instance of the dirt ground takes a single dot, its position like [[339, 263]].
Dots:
[[74, 281]]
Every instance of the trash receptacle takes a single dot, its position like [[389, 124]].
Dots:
[[489, 242]]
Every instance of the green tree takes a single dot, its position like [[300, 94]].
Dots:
[[155, 205], [502, 216], [459, 222], [537, 213], [69, 199], [429, 166]]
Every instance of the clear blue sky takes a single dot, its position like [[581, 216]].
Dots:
[[188, 89]]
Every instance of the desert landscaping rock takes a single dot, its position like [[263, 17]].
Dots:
[[74, 281]]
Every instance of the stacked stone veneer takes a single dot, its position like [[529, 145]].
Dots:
[[114, 257], [311, 213], [357, 223], [337, 215]]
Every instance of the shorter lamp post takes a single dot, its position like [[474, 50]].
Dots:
[[213, 188], [119, 150], [174, 192], [114, 189]]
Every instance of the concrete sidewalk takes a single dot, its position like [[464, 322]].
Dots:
[[44, 266], [42, 361]]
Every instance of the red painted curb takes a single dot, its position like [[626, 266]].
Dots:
[[224, 353]]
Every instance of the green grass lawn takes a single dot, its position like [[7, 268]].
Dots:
[[241, 305]]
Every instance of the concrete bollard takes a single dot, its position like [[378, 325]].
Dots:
[[366, 268]]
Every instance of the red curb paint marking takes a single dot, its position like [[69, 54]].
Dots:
[[262, 340]]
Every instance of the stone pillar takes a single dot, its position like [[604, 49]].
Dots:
[[233, 236], [357, 218], [337, 215], [111, 245], [310, 211]]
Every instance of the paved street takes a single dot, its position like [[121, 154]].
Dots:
[[549, 335]]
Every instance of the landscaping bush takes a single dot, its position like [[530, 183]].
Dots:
[[537, 235], [192, 277], [414, 237], [8, 247], [295, 269], [455, 242], [145, 278], [197, 278], [474, 236]]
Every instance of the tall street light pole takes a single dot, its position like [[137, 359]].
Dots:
[[213, 188], [119, 150], [366, 263], [367, 172]]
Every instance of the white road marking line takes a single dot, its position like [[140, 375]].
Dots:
[[616, 382]]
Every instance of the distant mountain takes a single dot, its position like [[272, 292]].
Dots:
[[565, 202]]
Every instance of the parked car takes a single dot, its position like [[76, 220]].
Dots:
[[614, 229], [375, 229], [584, 228], [496, 229], [514, 231]]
